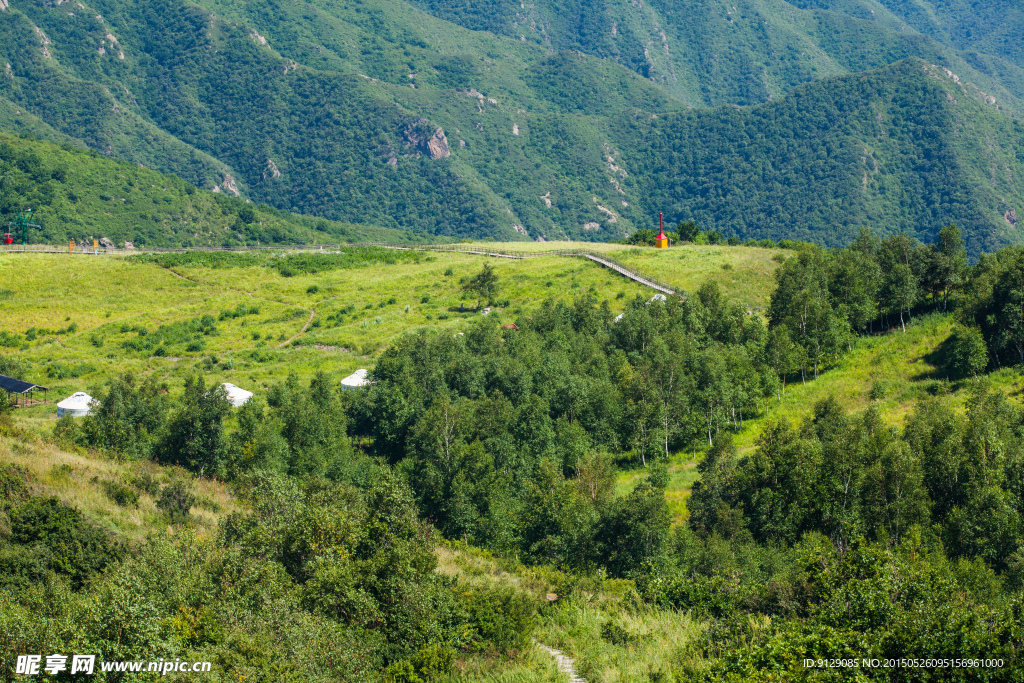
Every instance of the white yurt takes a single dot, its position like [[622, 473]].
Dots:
[[356, 380], [236, 395], [77, 404]]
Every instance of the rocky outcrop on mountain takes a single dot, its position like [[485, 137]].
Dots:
[[228, 186], [44, 43], [435, 144], [271, 172]]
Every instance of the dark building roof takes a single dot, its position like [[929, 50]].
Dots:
[[16, 386]]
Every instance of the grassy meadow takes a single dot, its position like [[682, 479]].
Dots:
[[75, 321], [338, 320], [77, 478], [745, 274], [72, 319]]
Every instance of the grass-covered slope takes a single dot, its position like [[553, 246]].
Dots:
[[146, 312], [81, 195]]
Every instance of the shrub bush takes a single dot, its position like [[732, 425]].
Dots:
[[147, 484], [614, 633], [77, 548], [502, 617], [175, 501], [124, 496]]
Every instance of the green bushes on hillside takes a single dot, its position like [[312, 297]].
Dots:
[[320, 580], [856, 539]]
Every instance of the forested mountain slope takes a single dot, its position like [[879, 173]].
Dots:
[[378, 112], [903, 149], [709, 52], [80, 195]]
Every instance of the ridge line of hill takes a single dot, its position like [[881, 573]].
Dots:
[[599, 258]]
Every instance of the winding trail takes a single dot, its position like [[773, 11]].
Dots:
[[566, 664], [596, 257], [312, 312]]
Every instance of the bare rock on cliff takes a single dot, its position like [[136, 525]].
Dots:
[[1011, 217], [229, 186], [106, 243], [435, 144], [271, 172]]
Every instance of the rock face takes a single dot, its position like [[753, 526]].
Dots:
[[437, 145], [434, 144], [1011, 217], [227, 186], [105, 243], [129, 245], [271, 171]]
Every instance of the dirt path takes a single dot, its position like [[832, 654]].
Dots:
[[179, 275], [312, 312], [566, 664]]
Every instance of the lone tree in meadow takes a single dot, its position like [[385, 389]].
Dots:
[[483, 284]]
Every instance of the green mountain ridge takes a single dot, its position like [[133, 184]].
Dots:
[[80, 195], [901, 149], [378, 112], [711, 52]]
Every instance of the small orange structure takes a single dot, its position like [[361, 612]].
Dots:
[[661, 241]]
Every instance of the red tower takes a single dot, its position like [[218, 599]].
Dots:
[[661, 242]]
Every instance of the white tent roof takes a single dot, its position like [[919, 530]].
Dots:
[[237, 395], [77, 401], [356, 379]]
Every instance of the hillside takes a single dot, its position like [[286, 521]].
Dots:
[[80, 195], [673, 493], [714, 52], [412, 121], [907, 148]]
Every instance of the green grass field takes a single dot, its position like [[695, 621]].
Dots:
[[745, 274], [75, 321], [337, 321]]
